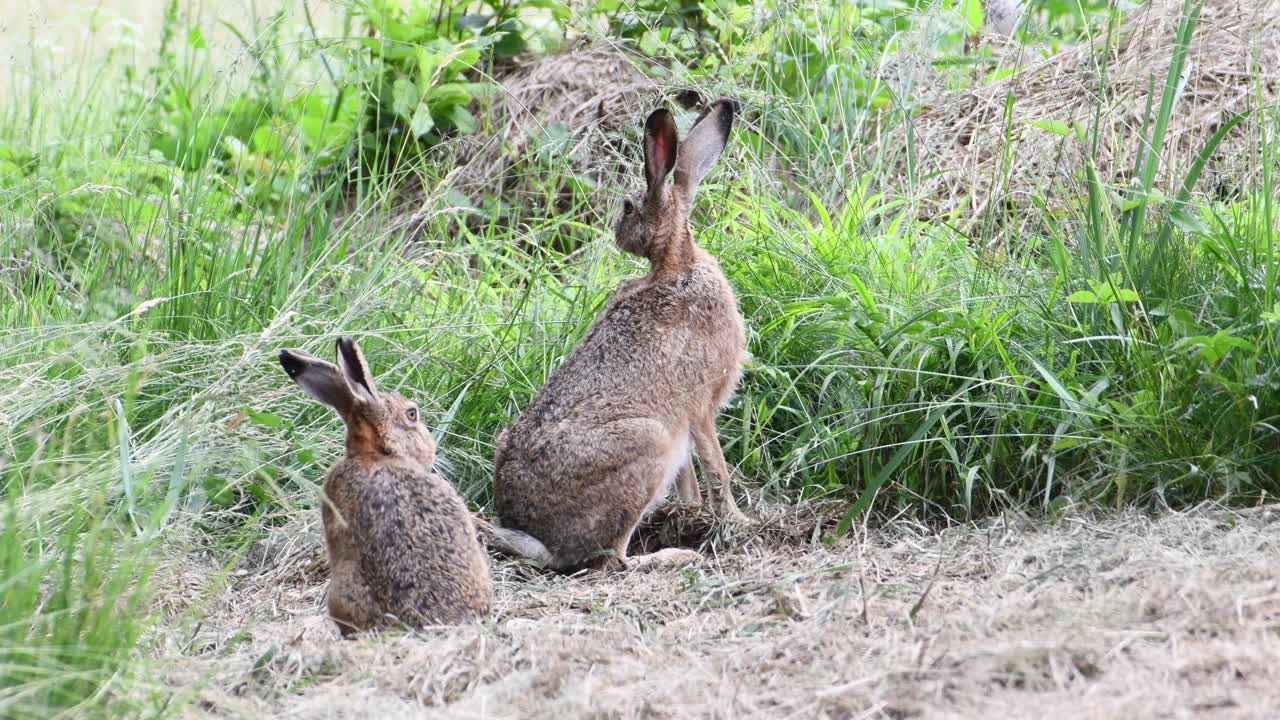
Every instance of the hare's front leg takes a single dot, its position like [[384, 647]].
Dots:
[[351, 606], [707, 443]]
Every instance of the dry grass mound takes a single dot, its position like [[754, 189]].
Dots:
[[560, 123], [971, 163], [1124, 616]]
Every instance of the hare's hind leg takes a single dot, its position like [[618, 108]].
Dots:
[[708, 445], [664, 558], [687, 490], [661, 459]]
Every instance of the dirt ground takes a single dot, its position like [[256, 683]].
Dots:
[[1175, 616]]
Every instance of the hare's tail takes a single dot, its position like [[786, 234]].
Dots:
[[518, 544]]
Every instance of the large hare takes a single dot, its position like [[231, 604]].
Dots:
[[401, 542], [604, 439]]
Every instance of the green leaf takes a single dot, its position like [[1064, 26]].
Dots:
[[1058, 388], [464, 59], [267, 141], [404, 98], [558, 8], [1057, 127], [422, 122], [1188, 221], [971, 11], [458, 200], [1067, 443], [195, 39], [1103, 293], [428, 64], [1112, 294], [463, 120], [441, 97], [264, 419], [510, 41]]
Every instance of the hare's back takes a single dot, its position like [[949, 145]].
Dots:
[[651, 343], [418, 547], [671, 334]]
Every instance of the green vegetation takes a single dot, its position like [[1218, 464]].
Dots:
[[166, 227]]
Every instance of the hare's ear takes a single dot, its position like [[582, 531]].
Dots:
[[323, 381], [356, 370], [701, 149], [659, 148]]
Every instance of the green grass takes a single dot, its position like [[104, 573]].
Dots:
[[144, 292]]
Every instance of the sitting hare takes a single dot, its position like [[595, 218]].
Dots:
[[401, 541], [603, 441]]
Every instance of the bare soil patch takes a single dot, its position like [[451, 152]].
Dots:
[[1124, 616]]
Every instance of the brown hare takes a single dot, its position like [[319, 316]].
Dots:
[[604, 439], [401, 542]]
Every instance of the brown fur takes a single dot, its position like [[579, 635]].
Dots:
[[615, 423], [401, 542]]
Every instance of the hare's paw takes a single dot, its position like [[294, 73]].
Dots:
[[665, 559], [731, 513]]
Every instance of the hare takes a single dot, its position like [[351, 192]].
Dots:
[[604, 439], [401, 541]]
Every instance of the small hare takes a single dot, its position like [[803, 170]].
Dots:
[[401, 542], [602, 442]]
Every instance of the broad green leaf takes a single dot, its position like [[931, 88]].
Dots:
[[971, 11], [1057, 127], [264, 419], [422, 122], [441, 97], [267, 141], [428, 64], [404, 98], [510, 41], [1112, 294], [463, 120], [1188, 221]]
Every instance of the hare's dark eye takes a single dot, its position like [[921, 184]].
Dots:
[[411, 412], [628, 207]]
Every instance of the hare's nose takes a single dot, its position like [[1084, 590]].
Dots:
[[292, 364]]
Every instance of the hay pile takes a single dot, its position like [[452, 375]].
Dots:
[[961, 140], [557, 121]]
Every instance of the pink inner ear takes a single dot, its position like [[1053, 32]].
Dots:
[[659, 151]]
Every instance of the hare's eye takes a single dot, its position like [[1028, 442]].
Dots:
[[628, 208], [411, 412]]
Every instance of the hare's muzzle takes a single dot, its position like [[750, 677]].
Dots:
[[293, 363]]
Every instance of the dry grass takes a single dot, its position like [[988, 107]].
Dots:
[[576, 114], [1177, 616], [971, 160]]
